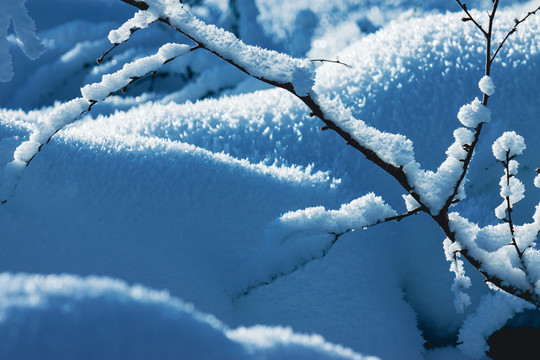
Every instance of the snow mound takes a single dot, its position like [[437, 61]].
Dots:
[[68, 317]]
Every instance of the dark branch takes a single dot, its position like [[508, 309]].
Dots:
[[100, 59], [331, 61], [91, 104], [470, 17], [471, 147], [394, 171]]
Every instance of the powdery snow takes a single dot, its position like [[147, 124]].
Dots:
[[492, 313], [510, 144], [129, 72], [89, 318], [486, 85], [473, 114], [182, 193], [140, 20], [261, 63]]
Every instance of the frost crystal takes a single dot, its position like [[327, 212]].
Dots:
[[471, 115], [509, 142], [487, 86]]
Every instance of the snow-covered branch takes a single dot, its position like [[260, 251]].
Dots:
[[299, 237], [69, 112], [391, 152]]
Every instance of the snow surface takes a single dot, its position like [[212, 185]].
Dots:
[[68, 317], [179, 196]]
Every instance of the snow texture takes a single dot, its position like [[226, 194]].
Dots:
[[129, 72], [508, 145], [178, 195], [90, 318], [499, 259], [299, 237], [140, 20], [461, 281], [486, 85], [473, 114], [410, 202], [24, 153], [261, 63], [492, 313], [25, 30]]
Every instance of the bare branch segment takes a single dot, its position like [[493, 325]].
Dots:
[[517, 22]]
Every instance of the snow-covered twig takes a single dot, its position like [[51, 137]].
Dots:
[[392, 152], [69, 112], [513, 30], [318, 230], [140, 20], [280, 70]]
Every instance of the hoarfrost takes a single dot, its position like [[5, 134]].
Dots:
[[131, 71], [509, 142], [486, 85], [473, 114], [461, 281], [140, 20], [261, 63]]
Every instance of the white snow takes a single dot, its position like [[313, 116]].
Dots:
[[261, 63], [461, 281], [118, 80], [473, 114], [140, 20], [89, 318], [509, 143], [492, 313], [192, 182], [486, 85]]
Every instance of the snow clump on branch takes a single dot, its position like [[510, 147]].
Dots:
[[486, 85], [473, 114], [509, 142]]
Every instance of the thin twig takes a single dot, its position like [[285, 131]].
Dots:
[[331, 61], [508, 219], [477, 131], [91, 103], [513, 30], [471, 18], [324, 252], [100, 59], [395, 171]]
